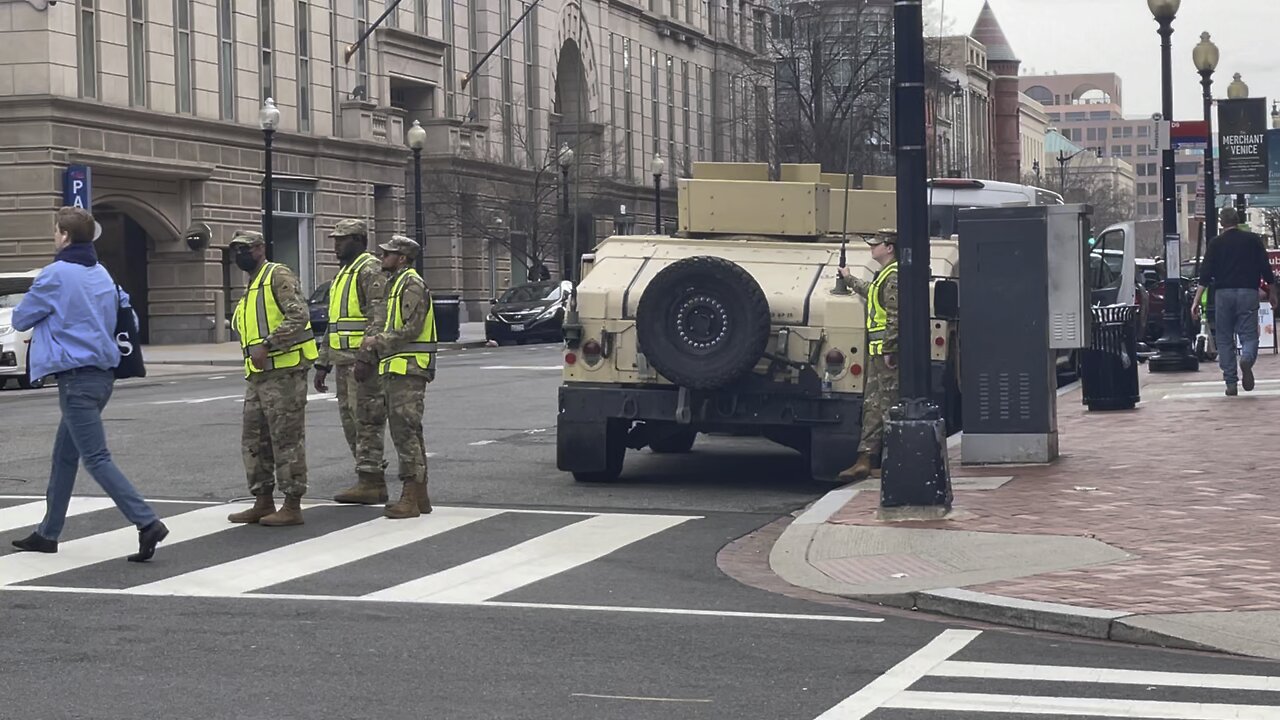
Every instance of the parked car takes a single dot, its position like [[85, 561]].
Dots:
[[534, 311], [15, 344], [319, 305]]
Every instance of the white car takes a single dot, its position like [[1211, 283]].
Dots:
[[14, 344]]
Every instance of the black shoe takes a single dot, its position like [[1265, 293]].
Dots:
[[1231, 391], [35, 542], [1246, 376], [148, 538]]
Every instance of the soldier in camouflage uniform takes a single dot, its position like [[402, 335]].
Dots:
[[356, 309], [881, 389], [274, 328], [405, 355]]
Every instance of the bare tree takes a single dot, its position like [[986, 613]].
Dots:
[[1111, 202]]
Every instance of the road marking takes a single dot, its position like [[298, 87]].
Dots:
[[19, 516], [1111, 676], [22, 567], [110, 504], [1092, 707], [639, 698], [877, 693], [483, 442], [217, 377], [314, 397], [196, 401], [311, 556], [528, 562], [1220, 394], [522, 367], [1219, 383]]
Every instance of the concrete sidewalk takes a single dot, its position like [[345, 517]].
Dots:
[[470, 335], [1157, 525]]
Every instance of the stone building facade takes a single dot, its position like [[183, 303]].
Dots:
[[160, 99]]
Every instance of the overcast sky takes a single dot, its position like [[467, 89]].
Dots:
[[1077, 36]]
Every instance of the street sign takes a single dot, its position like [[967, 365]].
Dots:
[[1243, 146], [1189, 133], [77, 187]]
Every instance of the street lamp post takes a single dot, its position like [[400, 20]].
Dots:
[[915, 476], [1174, 349], [1238, 90], [417, 138], [565, 158], [268, 119], [1205, 57], [656, 167]]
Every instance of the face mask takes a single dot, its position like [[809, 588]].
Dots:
[[245, 262]]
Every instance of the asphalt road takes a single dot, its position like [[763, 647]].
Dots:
[[523, 596]]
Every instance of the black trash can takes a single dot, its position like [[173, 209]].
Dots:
[[1109, 366], [446, 308]]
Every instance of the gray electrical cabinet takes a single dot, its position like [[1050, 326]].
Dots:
[[1024, 299]]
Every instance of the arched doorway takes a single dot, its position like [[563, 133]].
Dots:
[[571, 102], [123, 250], [572, 105]]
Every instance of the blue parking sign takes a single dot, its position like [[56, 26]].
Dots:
[[77, 187]]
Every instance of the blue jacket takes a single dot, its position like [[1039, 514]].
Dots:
[[72, 308]]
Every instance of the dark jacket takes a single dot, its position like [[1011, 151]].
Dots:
[[1236, 259]]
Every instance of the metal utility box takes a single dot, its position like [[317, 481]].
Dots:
[[1023, 300]]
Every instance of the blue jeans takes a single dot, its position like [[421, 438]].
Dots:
[[82, 394], [1235, 313]]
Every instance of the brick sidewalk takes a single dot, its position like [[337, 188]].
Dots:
[[1187, 484]]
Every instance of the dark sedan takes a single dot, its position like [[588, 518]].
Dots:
[[319, 306], [528, 313]]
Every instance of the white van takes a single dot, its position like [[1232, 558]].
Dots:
[[948, 195]]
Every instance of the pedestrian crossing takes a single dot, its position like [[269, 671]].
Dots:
[[925, 685]]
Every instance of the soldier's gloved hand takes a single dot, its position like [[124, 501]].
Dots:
[[321, 374], [891, 361], [363, 370]]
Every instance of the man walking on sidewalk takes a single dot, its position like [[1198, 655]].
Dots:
[[357, 300], [881, 390], [274, 327], [1236, 264], [72, 307], [405, 353]]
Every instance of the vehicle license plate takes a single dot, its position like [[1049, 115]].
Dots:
[[518, 328]]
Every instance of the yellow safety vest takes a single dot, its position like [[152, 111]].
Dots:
[[257, 315], [877, 316], [422, 350], [346, 322]]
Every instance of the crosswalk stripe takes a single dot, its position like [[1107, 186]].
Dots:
[[22, 567], [1112, 676], [530, 561], [876, 694], [32, 513], [311, 556], [1091, 707]]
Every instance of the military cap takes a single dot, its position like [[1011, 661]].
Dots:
[[402, 245], [248, 237], [348, 227], [884, 235]]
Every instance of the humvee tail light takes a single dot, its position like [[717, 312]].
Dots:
[[855, 370], [939, 341], [835, 361], [570, 358], [591, 351]]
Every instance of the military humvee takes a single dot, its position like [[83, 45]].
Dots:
[[735, 323]]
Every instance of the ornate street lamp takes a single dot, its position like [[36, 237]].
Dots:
[[1174, 349], [1205, 56], [565, 158], [657, 167], [417, 138], [268, 120]]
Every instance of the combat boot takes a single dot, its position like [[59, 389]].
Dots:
[[861, 470], [409, 505], [263, 506], [370, 489], [424, 502], [289, 514]]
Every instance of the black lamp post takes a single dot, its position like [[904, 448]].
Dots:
[[1238, 90], [1174, 349], [565, 158], [915, 477], [656, 167], [268, 119], [417, 138], [1205, 57]]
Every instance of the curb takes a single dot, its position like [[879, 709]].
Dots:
[[467, 345], [789, 560]]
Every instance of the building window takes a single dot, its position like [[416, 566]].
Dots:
[[182, 56], [1115, 132], [628, 139], [226, 59], [1092, 133], [87, 49], [531, 103], [335, 51], [473, 44], [653, 99], [675, 8], [266, 69], [393, 20], [702, 130], [1144, 131], [1128, 132], [508, 110], [671, 113], [450, 104], [303, 23], [684, 127], [688, 11], [137, 53], [420, 17], [728, 20], [757, 31], [362, 55]]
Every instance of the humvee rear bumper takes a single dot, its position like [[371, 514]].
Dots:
[[826, 430]]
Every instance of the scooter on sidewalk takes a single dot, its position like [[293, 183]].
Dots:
[[1206, 349]]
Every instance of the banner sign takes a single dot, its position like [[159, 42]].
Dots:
[[1274, 257], [1243, 147], [77, 187]]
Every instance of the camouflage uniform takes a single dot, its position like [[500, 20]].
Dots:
[[880, 391], [360, 404], [406, 394], [273, 438]]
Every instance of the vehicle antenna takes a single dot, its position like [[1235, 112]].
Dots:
[[841, 288]]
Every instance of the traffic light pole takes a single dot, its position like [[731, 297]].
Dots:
[[915, 478]]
